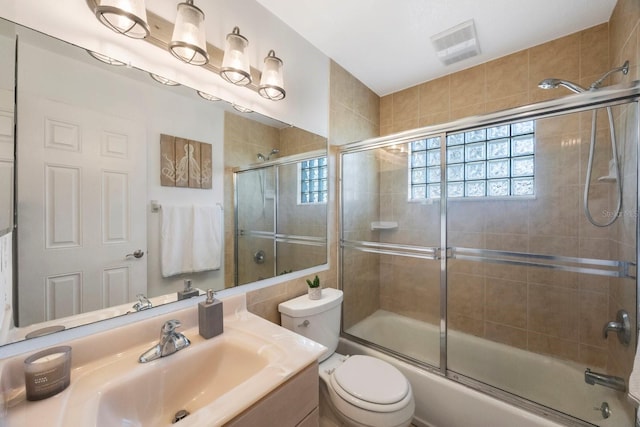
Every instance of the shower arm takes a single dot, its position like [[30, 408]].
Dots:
[[624, 69]]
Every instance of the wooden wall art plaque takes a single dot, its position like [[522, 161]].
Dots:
[[185, 163]]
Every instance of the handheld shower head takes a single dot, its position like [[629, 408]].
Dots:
[[554, 83]]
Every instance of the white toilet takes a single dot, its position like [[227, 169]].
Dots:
[[363, 391]]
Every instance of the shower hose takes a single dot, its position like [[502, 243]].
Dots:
[[614, 153]]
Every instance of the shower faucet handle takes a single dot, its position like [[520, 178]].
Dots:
[[622, 326]]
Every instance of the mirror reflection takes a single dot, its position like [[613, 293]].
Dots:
[[281, 213], [90, 205]]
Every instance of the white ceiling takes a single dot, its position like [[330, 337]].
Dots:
[[386, 44]]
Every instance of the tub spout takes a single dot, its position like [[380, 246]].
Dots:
[[610, 381]]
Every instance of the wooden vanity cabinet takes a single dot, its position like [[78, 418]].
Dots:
[[293, 404]]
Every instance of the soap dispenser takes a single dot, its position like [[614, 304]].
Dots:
[[210, 316], [188, 291]]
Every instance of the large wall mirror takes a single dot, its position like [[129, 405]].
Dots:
[[89, 199]]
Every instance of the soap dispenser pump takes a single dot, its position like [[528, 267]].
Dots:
[[188, 291], [210, 316]]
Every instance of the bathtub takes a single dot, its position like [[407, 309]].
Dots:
[[441, 402]]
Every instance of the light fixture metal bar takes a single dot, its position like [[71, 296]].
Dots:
[[161, 32], [160, 36]]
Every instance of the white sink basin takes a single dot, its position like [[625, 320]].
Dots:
[[192, 379], [214, 380]]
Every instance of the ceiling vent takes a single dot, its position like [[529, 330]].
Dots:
[[456, 43]]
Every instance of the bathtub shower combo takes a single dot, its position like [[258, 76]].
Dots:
[[500, 252]]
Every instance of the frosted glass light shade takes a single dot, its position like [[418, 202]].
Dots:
[[235, 63], [208, 97], [189, 43], [272, 81], [242, 109], [163, 80], [128, 17], [106, 59]]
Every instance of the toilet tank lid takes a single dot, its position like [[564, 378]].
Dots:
[[303, 306]]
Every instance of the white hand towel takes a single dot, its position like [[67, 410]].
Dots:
[[175, 239], [207, 238], [634, 380], [191, 239]]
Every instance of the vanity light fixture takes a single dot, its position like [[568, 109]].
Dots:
[[128, 17], [235, 62], [208, 97], [272, 81], [189, 43], [106, 59], [242, 109], [163, 80]]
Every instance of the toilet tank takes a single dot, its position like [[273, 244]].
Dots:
[[318, 320]]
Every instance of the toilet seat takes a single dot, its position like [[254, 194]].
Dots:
[[371, 384]]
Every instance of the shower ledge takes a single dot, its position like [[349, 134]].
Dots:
[[384, 225]]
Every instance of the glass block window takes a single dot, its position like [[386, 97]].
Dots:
[[313, 184], [491, 162]]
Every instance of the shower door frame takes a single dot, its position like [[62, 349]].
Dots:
[[611, 96]]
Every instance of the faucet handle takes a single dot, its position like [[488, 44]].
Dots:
[[622, 326], [170, 326], [143, 303]]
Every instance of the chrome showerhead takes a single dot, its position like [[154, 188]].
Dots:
[[554, 83], [262, 157], [573, 87]]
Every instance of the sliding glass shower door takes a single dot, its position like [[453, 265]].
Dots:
[[531, 281], [508, 285], [255, 218], [390, 251]]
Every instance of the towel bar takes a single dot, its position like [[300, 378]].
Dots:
[[156, 206]]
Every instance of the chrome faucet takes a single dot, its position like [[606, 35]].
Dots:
[[142, 304], [170, 342], [610, 381]]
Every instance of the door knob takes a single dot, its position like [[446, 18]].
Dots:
[[137, 254]]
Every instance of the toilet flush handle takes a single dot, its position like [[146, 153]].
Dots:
[[304, 324]]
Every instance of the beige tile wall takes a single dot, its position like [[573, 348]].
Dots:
[[503, 83], [536, 309], [354, 115]]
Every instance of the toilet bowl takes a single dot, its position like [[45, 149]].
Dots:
[[365, 391], [362, 391]]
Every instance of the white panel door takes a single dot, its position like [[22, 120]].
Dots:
[[81, 210]]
